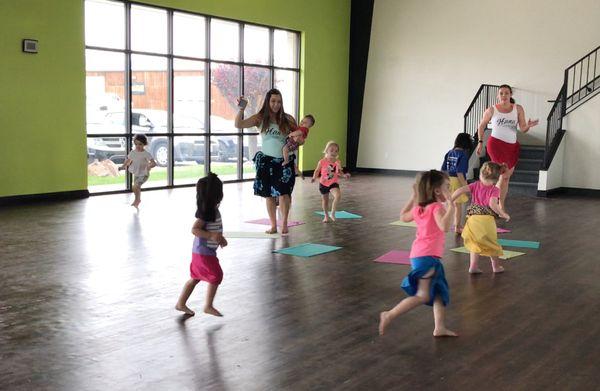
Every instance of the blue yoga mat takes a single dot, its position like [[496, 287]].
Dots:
[[307, 250], [342, 214], [518, 243]]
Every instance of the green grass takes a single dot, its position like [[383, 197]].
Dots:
[[181, 172]]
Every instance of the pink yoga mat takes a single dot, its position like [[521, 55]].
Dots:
[[399, 257], [502, 230], [268, 222]]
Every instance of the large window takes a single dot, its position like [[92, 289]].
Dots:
[[175, 76]]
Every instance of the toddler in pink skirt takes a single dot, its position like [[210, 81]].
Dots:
[[208, 236]]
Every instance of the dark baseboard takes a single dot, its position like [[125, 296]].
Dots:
[[570, 191], [33, 198], [386, 171]]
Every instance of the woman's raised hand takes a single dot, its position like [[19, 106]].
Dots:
[[241, 102], [479, 149]]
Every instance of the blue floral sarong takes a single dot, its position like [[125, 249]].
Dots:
[[273, 179], [439, 285]]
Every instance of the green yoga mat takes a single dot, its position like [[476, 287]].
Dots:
[[518, 243], [507, 253], [342, 214], [307, 250]]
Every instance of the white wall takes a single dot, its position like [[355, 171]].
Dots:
[[428, 58], [553, 177], [582, 147]]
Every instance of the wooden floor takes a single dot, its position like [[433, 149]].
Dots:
[[87, 290]]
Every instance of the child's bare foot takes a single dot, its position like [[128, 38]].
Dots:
[[271, 231], [212, 311], [326, 219], [285, 162], [475, 271], [499, 269], [284, 230], [384, 321], [444, 333], [184, 308], [332, 215]]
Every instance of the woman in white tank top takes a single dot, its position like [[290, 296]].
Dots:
[[502, 145]]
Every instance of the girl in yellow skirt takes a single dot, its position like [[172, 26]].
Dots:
[[456, 165], [480, 234]]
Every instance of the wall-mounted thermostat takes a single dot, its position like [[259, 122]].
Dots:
[[30, 46]]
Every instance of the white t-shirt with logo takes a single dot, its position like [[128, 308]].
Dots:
[[504, 125], [139, 162]]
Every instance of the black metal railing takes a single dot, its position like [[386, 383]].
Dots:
[[484, 98], [582, 80], [581, 83], [554, 130]]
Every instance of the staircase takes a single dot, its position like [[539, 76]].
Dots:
[[581, 83], [526, 175]]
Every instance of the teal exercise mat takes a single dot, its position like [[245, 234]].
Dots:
[[507, 254], [307, 250], [342, 214], [518, 243]]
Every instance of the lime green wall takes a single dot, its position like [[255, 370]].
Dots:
[[42, 107], [42, 100]]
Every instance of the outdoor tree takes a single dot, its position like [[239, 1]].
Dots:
[[256, 84]]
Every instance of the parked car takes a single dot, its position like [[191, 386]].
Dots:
[[186, 148], [96, 106], [228, 144]]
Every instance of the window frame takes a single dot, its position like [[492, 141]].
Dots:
[[208, 61]]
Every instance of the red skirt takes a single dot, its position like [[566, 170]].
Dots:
[[503, 152], [206, 268]]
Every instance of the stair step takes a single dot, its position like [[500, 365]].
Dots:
[[532, 152], [525, 176], [523, 184], [529, 164]]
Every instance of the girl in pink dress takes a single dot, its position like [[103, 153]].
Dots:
[[426, 283], [330, 169], [208, 236], [479, 234]]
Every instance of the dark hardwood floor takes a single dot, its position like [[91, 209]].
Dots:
[[88, 287]]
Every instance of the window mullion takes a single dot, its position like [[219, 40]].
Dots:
[[170, 104], [128, 130]]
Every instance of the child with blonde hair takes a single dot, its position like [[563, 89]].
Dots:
[[426, 283], [330, 169], [479, 234]]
